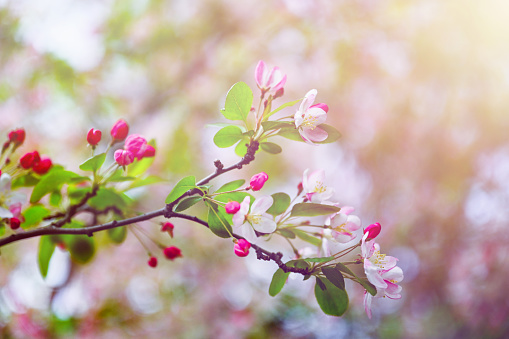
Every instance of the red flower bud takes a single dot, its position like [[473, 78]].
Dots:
[[258, 180], [149, 152], [28, 160], [14, 222], [172, 252], [120, 130], [136, 144], [374, 231], [152, 262], [232, 207], [17, 136], [42, 167], [94, 136], [241, 248], [168, 227], [123, 157]]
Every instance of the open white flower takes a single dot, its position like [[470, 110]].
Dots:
[[7, 197], [309, 117], [246, 222], [313, 185]]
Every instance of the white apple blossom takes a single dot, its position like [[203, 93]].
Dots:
[[313, 185], [246, 222], [309, 117]]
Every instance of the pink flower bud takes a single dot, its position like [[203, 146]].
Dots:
[[42, 167], [120, 130], [17, 136], [14, 223], [123, 157], [321, 106], [241, 248], [94, 136], [152, 262], [28, 160], [136, 144], [374, 230], [258, 180], [149, 152], [168, 227], [232, 207], [172, 252]]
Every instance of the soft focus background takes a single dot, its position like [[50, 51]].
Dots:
[[419, 90]]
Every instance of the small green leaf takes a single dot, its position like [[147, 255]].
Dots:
[[238, 102], [46, 249], [217, 222], [230, 186], [367, 285], [272, 125], [139, 166], [93, 163], [333, 134], [26, 180], [343, 268], [287, 233], [332, 300], [107, 197], [323, 259], [334, 276], [180, 188], [187, 202], [228, 136], [241, 148], [55, 198], [235, 196], [53, 181], [118, 176], [280, 205], [312, 210], [117, 235], [150, 180], [278, 282], [288, 104], [81, 247], [34, 215], [306, 237], [271, 147], [290, 133]]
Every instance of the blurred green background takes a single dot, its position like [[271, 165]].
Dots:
[[419, 90]]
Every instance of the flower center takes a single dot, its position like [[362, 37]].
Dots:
[[378, 259], [254, 218], [309, 122], [319, 187]]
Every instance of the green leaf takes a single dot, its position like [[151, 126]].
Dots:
[[217, 222], [323, 259], [288, 104], [306, 237], [230, 186], [271, 147], [343, 268], [271, 125], [53, 181], [333, 134], [117, 235], [228, 136], [81, 247], [312, 210], [93, 163], [332, 300], [290, 133], [367, 285], [334, 276], [150, 180], [187, 202], [46, 249], [118, 176], [241, 148], [26, 180], [280, 205], [180, 188], [238, 102], [287, 233], [106, 197], [235, 196], [278, 282], [55, 198], [139, 166], [34, 215]]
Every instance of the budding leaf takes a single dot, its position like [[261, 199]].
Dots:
[[117, 235], [333, 134], [46, 249], [218, 223], [332, 300], [280, 205], [271, 147], [288, 104], [180, 188], [53, 181], [306, 237], [151, 179], [238, 102], [230, 186], [367, 285], [106, 197], [228, 136], [324, 259], [290, 133], [184, 204], [93, 163], [312, 210], [278, 282], [271, 125], [334, 276]]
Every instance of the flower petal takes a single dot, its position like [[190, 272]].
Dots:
[[313, 134], [266, 224], [259, 73], [309, 98], [262, 204], [248, 233], [5, 213]]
